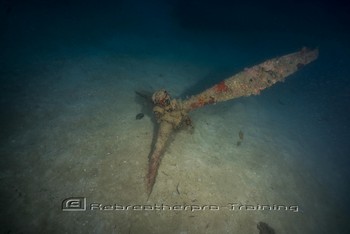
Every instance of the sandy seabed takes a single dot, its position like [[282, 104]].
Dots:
[[72, 132]]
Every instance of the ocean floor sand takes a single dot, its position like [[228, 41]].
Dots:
[[70, 131]]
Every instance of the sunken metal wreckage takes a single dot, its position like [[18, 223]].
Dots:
[[171, 114]]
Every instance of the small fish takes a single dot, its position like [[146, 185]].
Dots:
[[140, 116], [264, 228], [241, 135]]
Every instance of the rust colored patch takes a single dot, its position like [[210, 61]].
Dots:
[[221, 87], [202, 102], [195, 105]]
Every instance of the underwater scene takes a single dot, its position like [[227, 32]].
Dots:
[[174, 116]]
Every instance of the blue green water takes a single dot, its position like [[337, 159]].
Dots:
[[68, 72]]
